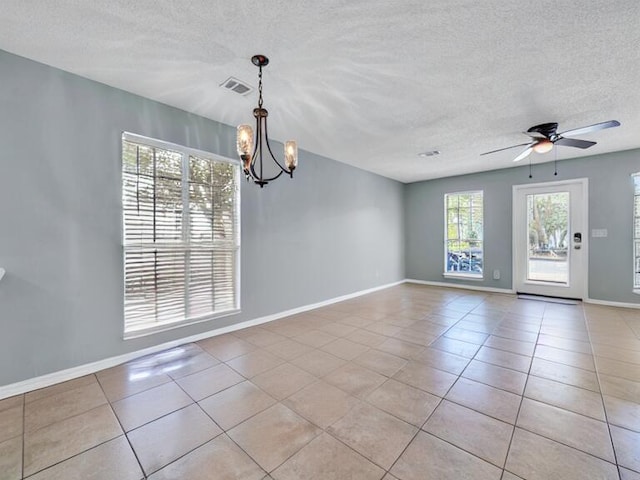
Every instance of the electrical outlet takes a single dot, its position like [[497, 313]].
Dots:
[[496, 274]]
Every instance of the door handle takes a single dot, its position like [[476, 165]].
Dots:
[[577, 240]]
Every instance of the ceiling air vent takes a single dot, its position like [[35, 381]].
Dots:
[[236, 85]]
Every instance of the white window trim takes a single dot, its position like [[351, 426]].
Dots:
[[135, 138], [636, 193], [153, 142], [466, 276], [461, 275]]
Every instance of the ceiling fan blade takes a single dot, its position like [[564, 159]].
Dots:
[[524, 154], [574, 142], [507, 148], [590, 128]]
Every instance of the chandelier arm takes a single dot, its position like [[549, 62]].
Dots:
[[254, 175], [249, 166], [256, 143], [257, 152], [267, 180], [259, 179], [266, 136]]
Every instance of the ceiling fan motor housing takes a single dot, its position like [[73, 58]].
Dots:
[[547, 129]]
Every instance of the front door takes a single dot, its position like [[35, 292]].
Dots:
[[550, 238]]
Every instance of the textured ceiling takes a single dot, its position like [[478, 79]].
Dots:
[[368, 83]]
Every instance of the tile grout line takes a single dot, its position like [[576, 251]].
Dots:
[[72, 416], [124, 433], [225, 432], [442, 399], [503, 469], [277, 402], [604, 407], [567, 445], [419, 429], [524, 389]]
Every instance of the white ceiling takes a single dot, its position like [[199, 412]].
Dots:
[[368, 83]]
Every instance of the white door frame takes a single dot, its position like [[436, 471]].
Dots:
[[583, 183]]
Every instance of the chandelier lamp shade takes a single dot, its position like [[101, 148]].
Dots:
[[255, 150]]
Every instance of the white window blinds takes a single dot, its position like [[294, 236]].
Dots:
[[636, 232], [181, 239]]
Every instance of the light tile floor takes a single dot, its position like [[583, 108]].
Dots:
[[408, 383]]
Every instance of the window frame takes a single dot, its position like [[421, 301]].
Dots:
[[635, 245], [187, 153], [467, 275]]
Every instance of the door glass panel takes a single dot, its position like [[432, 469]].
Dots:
[[549, 237]]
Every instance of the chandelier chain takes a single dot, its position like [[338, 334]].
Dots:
[[260, 88]]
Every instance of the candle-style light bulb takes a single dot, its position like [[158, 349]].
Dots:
[[291, 155], [244, 145]]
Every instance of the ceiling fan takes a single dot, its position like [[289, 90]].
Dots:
[[545, 136]]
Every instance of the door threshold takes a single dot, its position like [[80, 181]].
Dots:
[[544, 298]]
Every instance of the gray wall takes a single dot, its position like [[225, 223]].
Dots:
[[610, 207], [331, 231]]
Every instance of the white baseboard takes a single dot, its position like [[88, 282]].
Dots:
[[86, 369], [461, 286], [611, 304]]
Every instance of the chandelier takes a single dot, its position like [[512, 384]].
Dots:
[[252, 149]]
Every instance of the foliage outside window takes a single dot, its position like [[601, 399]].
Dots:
[[463, 233], [636, 232], [181, 239], [548, 224]]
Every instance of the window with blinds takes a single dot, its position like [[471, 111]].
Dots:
[[463, 236], [181, 235], [636, 232]]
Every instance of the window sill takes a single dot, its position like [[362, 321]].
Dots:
[[463, 276], [636, 291], [143, 332]]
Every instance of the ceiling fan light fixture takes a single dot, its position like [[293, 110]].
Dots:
[[543, 146]]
